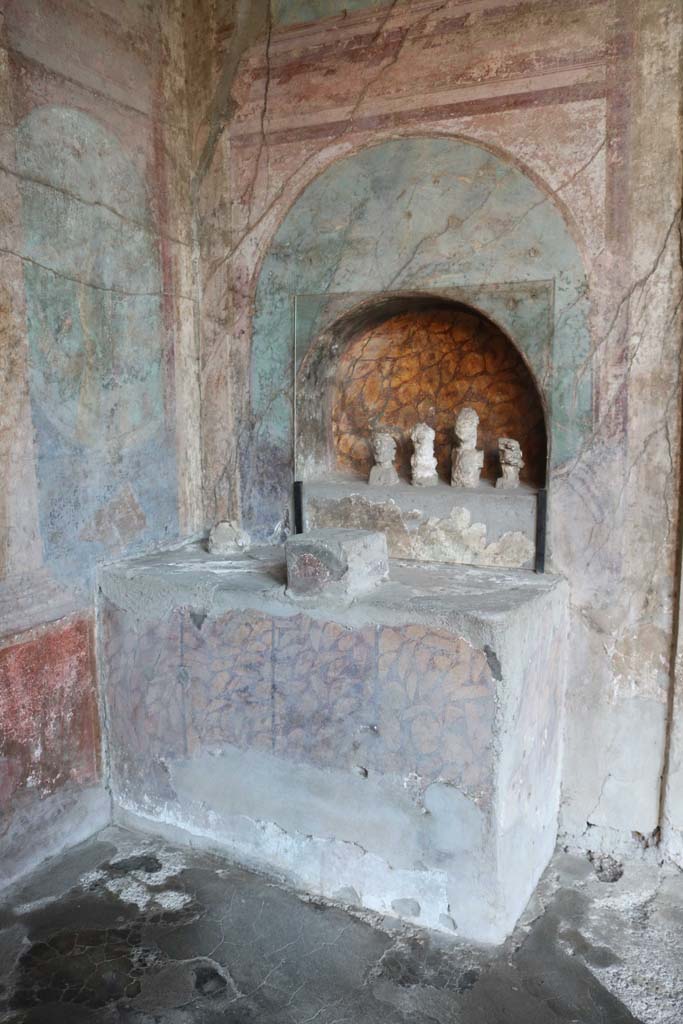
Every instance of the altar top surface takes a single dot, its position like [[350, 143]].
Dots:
[[448, 596]]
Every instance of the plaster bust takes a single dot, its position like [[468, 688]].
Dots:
[[467, 460], [383, 473], [511, 462], [423, 461]]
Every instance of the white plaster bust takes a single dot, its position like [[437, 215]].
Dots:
[[423, 462], [511, 462], [467, 461], [383, 473]]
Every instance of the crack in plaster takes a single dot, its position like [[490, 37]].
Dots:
[[263, 142], [349, 124], [43, 69], [92, 284], [147, 226]]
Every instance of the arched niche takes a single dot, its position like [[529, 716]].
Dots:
[[391, 363], [417, 214]]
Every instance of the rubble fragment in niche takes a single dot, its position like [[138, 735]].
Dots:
[[227, 538], [511, 462], [423, 461], [468, 461], [383, 473]]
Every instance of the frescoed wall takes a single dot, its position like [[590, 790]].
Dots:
[[176, 183], [425, 145], [94, 344], [97, 359], [49, 741], [415, 214]]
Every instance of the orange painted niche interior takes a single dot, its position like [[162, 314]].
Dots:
[[424, 366]]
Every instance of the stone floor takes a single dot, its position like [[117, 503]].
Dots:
[[126, 928]]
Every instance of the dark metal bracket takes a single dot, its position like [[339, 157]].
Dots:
[[298, 506], [541, 528]]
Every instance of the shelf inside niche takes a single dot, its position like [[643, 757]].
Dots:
[[480, 526]]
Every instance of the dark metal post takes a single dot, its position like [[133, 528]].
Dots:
[[298, 506], [541, 524]]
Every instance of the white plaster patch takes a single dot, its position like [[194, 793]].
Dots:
[[647, 976], [130, 891], [91, 878], [458, 539], [172, 899], [439, 532], [172, 863], [142, 887], [31, 907]]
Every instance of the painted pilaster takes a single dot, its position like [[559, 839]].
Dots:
[[20, 546]]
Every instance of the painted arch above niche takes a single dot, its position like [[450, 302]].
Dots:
[[418, 214]]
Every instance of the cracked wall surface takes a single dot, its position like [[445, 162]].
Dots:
[[579, 102], [378, 218], [99, 440], [583, 101]]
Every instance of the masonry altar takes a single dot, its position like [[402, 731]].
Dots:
[[398, 751]]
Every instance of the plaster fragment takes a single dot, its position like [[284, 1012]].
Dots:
[[406, 907], [607, 868]]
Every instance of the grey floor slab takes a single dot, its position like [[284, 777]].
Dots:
[[127, 928]]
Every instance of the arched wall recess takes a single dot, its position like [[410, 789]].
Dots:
[[398, 359], [432, 215]]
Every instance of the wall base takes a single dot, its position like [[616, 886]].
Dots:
[[50, 826]]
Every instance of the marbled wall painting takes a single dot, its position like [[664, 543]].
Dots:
[[293, 12], [412, 214], [305, 689], [105, 451], [48, 710]]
